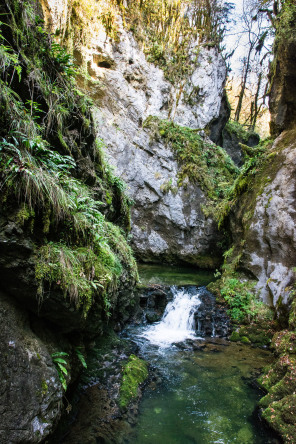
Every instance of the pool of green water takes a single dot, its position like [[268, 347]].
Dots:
[[173, 275], [204, 397]]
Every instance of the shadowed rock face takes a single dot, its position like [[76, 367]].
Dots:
[[282, 101], [31, 394], [231, 144]]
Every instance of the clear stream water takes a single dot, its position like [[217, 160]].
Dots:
[[204, 397], [174, 275]]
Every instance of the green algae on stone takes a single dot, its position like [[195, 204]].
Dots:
[[135, 372]]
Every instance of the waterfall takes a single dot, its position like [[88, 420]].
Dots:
[[177, 323]]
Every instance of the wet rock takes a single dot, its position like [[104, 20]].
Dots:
[[98, 420], [211, 318], [152, 317], [183, 345], [196, 344]]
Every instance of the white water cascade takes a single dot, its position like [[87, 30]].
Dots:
[[177, 323]]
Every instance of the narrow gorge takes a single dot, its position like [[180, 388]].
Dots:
[[147, 235]]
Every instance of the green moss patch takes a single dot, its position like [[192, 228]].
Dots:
[[281, 417], [236, 129], [200, 162], [134, 373]]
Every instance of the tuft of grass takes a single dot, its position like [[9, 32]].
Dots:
[[80, 273]]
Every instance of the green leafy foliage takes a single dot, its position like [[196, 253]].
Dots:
[[46, 133], [239, 292], [59, 360], [240, 300], [63, 59], [81, 357]]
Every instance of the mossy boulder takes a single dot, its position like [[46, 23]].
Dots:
[[279, 380], [234, 337], [281, 417], [134, 373]]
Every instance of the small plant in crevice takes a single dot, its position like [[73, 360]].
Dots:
[[59, 360], [80, 356], [167, 186]]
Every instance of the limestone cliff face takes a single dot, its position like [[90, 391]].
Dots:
[[265, 221], [167, 225], [126, 89]]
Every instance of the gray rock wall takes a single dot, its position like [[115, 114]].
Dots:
[[31, 393], [126, 89], [269, 250], [166, 224]]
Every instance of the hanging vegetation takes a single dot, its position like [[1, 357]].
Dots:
[[52, 167]]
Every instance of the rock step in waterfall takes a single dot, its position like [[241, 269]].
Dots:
[[190, 314]]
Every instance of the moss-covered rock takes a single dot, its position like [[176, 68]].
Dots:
[[134, 373], [200, 160], [279, 380], [245, 340], [234, 337]]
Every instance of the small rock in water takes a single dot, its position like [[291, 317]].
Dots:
[[183, 345], [198, 345], [152, 317]]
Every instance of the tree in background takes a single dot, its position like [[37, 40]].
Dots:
[[256, 37]]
